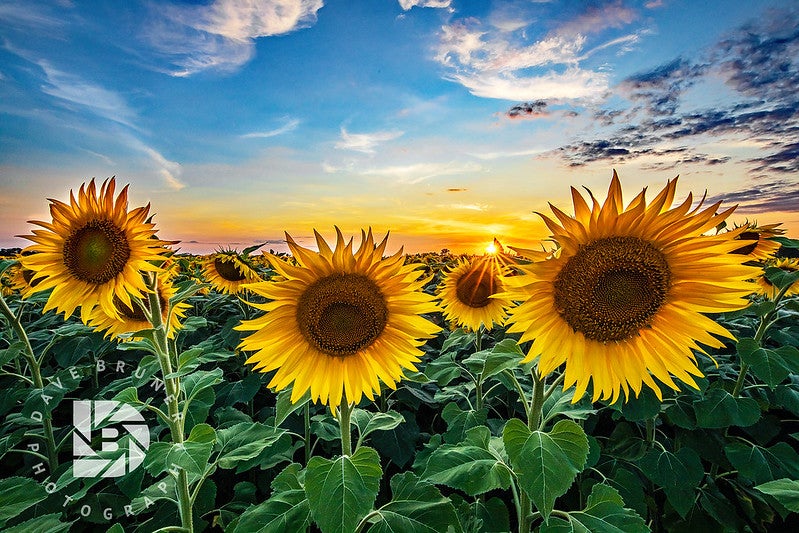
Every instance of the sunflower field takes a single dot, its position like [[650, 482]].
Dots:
[[638, 372]]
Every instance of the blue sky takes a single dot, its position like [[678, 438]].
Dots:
[[446, 122]]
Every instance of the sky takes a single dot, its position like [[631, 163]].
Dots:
[[444, 122]]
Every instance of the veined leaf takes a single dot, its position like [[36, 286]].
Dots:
[[546, 464], [342, 491]]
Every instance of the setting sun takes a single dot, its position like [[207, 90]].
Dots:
[[491, 248]]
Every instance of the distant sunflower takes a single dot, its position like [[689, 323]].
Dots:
[[761, 247], [21, 279], [621, 299], [133, 319], [227, 273], [466, 293], [93, 252], [339, 321], [768, 289]]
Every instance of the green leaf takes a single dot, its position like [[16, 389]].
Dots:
[[604, 513], [284, 407], [416, 506], [471, 466], [197, 381], [202, 433], [459, 421], [505, 355], [287, 510], [718, 409], [49, 523], [245, 441], [644, 407], [560, 404], [785, 491], [368, 422], [546, 464], [129, 395], [190, 456], [17, 495], [673, 470], [342, 491], [458, 338], [781, 278], [398, 444], [443, 369], [768, 365], [760, 465]]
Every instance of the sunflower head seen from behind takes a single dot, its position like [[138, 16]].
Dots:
[[340, 321], [768, 289], [468, 291], [228, 273], [622, 297], [93, 251], [133, 319], [759, 245]]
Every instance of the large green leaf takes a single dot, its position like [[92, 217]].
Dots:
[[604, 513], [49, 523], [18, 494], [342, 491], [460, 421], [286, 511], [719, 409], [284, 407], [673, 470], [471, 466], [245, 441], [759, 464], [546, 464], [768, 365], [368, 422], [416, 506], [785, 491]]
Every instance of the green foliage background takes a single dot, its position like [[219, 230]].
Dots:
[[454, 448]]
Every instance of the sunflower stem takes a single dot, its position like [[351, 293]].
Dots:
[[175, 419], [307, 415], [766, 321], [36, 375], [344, 413], [533, 423]]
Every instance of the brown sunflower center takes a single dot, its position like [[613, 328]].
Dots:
[[475, 288], [749, 248], [342, 313], [227, 270], [96, 252], [611, 288]]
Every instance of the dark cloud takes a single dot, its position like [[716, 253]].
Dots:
[[763, 197], [456, 189], [534, 109], [759, 62], [659, 90]]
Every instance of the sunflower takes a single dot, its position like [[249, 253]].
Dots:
[[768, 289], [762, 246], [228, 273], [621, 298], [339, 321], [467, 292], [93, 251], [133, 319]]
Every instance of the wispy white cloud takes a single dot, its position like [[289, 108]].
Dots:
[[464, 207], [222, 35], [489, 156], [408, 4], [290, 125], [73, 90], [498, 60], [419, 172], [365, 142]]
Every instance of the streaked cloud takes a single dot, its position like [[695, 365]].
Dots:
[[70, 89], [419, 172], [290, 125], [221, 36], [365, 142], [408, 4]]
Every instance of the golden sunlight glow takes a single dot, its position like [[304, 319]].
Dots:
[[491, 248]]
